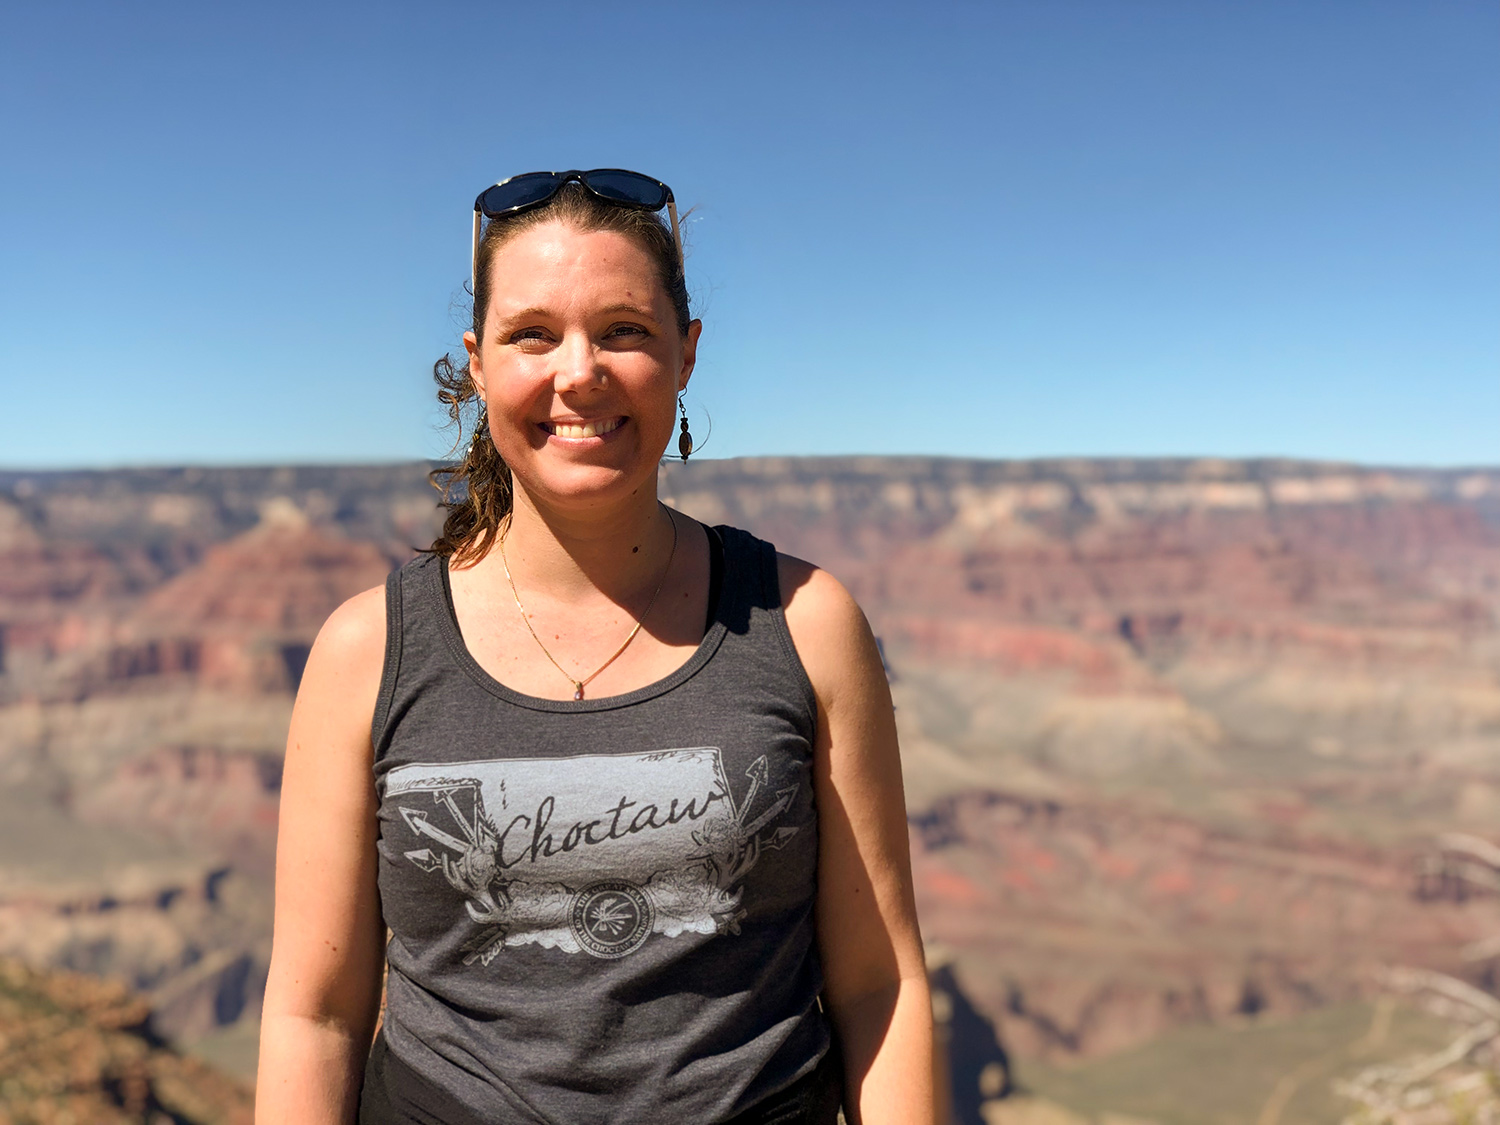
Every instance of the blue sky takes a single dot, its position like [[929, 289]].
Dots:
[[236, 234]]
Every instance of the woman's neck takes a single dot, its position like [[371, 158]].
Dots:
[[569, 556]]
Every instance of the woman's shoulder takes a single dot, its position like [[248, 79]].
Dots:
[[353, 637], [358, 626], [813, 597], [336, 698], [810, 592], [828, 629], [810, 587], [832, 636], [358, 621]]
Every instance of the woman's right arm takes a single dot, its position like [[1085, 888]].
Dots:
[[323, 992]]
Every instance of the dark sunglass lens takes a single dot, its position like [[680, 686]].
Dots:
[[627, 187], [518, 191]]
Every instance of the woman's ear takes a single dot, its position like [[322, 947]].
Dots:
[[476, 371], [689, 353]]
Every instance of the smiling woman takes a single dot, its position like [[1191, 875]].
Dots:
[[482, 478], [624, 788]]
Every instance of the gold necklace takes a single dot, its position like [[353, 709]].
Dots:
[[578, 685]]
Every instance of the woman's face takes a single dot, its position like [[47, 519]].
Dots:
[[580, 365]]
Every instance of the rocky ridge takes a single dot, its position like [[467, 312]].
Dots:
[[76, 1049]]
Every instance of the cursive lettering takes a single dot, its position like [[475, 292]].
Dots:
[[544, 844]]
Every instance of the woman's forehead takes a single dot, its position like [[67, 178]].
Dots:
[[557, 254]]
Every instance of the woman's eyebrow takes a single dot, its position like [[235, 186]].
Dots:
[[525, 314], [638, 310], [538, 312]]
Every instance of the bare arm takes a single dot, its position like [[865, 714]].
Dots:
[[876, 978], [323, 993]]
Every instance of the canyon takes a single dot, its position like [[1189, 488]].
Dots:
[[1180, 737]]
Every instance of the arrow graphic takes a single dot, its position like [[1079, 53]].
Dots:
[[445, 797], [416, 820], [760, 775], [783, 799]]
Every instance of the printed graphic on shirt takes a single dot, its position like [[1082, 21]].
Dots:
[[594, 853]]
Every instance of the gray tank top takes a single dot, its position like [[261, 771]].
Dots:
[[600, 910]]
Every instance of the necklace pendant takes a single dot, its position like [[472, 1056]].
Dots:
[[578, 692]]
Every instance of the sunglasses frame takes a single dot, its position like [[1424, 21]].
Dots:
[[564, 178]]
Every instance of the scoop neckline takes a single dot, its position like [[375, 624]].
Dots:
[[459, 648]]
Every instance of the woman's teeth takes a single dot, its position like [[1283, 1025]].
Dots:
[[585, 430]]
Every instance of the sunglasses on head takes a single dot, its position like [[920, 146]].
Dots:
[[532, 189]]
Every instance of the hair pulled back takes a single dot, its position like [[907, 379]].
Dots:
[[476, 489]]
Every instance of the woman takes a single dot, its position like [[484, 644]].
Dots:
[[624, 788]]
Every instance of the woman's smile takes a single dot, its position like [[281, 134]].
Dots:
[[581, 366], [574, 431]]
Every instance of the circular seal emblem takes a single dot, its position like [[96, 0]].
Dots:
[[611, 919]]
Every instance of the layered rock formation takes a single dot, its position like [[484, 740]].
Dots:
[[1175, 733], [147, 684]]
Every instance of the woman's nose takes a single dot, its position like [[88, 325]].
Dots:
[[578, 365]]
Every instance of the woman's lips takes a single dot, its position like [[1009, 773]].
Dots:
[[574, 431]]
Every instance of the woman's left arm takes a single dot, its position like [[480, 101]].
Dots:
[[874, 973]]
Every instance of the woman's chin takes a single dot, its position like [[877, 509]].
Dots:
[[584, 473]]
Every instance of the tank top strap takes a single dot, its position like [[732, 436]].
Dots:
[[750, 572], [393, 650], [753, 609], [415, 643]]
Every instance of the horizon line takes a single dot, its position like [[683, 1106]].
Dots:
[[672, 462]]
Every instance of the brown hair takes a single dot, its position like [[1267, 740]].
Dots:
[[476, 489]]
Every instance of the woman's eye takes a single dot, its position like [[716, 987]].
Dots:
[[625, 331], [528, 334]]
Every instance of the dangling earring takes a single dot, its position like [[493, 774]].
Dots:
[[684, 439]]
